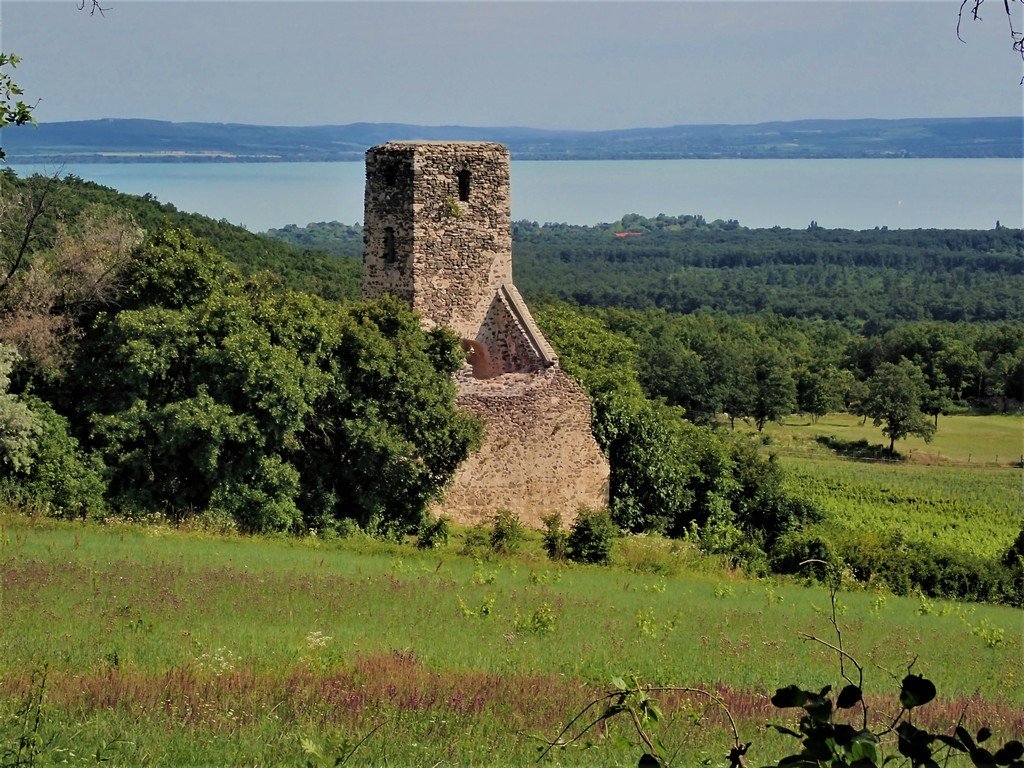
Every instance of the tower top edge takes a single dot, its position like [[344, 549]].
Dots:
[[414, 145]]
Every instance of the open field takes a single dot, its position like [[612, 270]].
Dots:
[[165, 647], [977, 511], [962, 439], [954, 496]]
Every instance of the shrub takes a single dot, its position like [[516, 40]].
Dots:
[[477, 540], [902, 566], [555, 538], [760, 505], [1015, 554], [265, 503], [751, 558], [541, 622], [434, 532], [19, 427], [506, 532], [591, 537], [797, 547], [908, 567], [61, 477]]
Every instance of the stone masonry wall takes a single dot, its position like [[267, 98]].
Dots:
[[450, 254], [538, 456], [514, 343], [438, 235], [388, 201]]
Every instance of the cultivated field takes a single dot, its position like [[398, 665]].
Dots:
[[959, 440], [951, 492], [166, 647]]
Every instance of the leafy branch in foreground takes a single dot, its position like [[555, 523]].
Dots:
[[13, 111], [636, 701], [830, 744], [824, 742]]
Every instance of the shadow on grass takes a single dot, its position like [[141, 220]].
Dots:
[[860, 450]]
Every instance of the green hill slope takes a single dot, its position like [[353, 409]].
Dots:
[[300, 268], [686, 264]]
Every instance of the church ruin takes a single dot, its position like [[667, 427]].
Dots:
[[438, 235]]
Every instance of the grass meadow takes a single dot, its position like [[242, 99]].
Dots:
[[169, 647], [951, 492], [995, 439]]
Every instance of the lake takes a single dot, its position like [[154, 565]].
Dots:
[[853, 194]]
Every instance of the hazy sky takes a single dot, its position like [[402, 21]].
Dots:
[[554, 65]]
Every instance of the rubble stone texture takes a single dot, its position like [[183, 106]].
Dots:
[[438, 234]]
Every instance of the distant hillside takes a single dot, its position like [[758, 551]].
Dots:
[[298, 267], [119, 140], [874, 278]]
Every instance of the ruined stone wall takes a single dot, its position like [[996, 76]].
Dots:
[[388, 216], [539, 455], [438, 235], [513, 341], [450, 253]]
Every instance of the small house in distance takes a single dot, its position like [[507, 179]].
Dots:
[[438, 235]]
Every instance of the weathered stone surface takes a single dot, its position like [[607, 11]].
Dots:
[[445, 255], [438, 235], [539, 455]]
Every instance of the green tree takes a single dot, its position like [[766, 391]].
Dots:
[[1005, 377], [61, 478], [13, 111], [893, 402], [821, 392], [774, 390], [282, 409], [385, 437], [19, 427], [647, 487], [961, 366], [592, 537], [761, 507], [601, 360]]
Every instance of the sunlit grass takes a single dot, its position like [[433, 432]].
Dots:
[[194, 648], [988, 439], [949, 493]]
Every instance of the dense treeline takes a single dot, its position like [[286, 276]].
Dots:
[[143, 373], [767, 366], [872, 279], [869, 280], [70, 197], [677, 472]]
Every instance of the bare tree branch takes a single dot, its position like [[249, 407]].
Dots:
[[35, 210], [94, 7], [973, 7]]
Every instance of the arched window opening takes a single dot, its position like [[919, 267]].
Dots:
[[479, 358], [389, 245], [391, 174], [464, 177]]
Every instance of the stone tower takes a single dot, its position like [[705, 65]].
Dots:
[[438, 235]]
